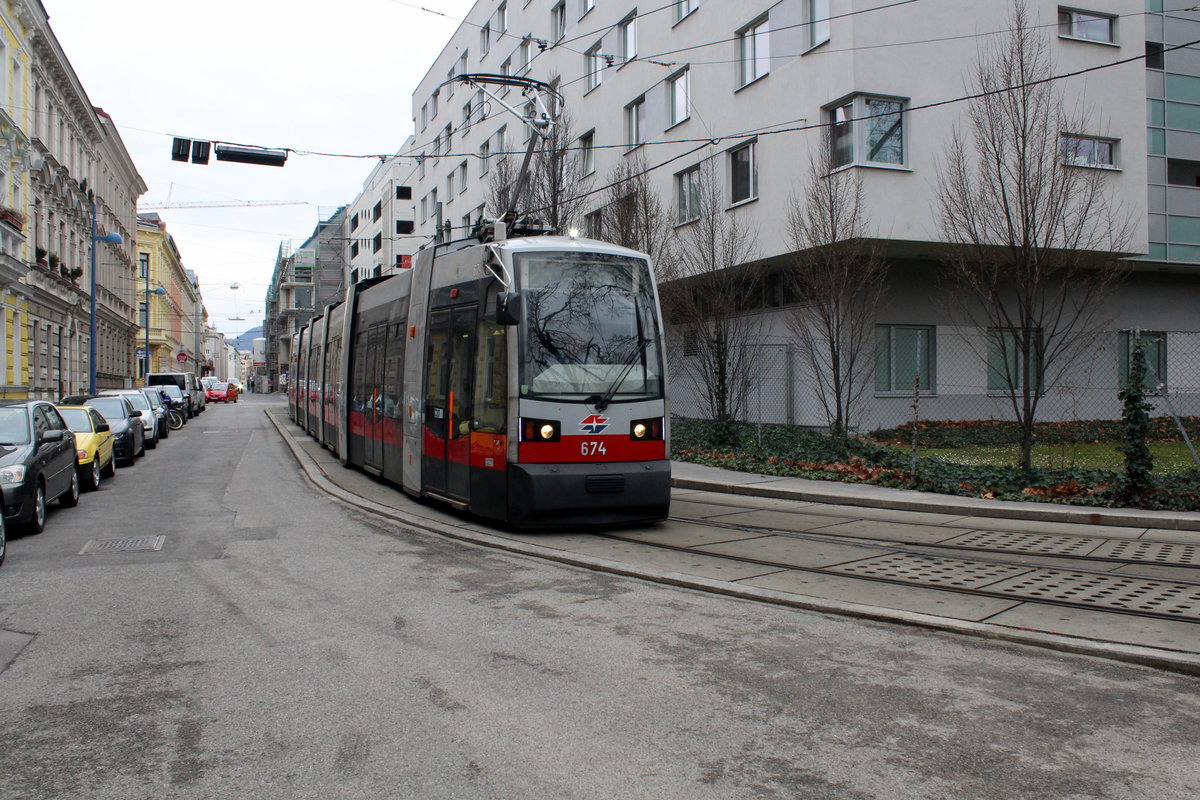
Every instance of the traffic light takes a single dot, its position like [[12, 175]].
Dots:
[[198, 151], [251, 155]]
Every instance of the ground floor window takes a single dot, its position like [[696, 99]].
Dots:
[[904, 358], [1154, 348], [1011, 356]]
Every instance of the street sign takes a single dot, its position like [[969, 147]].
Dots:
[[182, 357], [141, 352]]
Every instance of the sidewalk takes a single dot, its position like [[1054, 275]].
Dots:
[[1162, 643]]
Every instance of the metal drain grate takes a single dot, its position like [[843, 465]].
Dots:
[[131, 544], [1102, 591], [1153, 552], [931, 571], [1046, 544], [1113, 592]]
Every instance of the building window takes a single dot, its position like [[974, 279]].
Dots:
[[1154, 56], [485, 156], [354, 245], [506, 67], [867, 130], [1008, 363], [587, 5], [817, 19], [377, 211], [377, 243], [627, 37], [144, 314], [433, 105], [525, 54], [404, 226], [485, 39], [447, 133], [1088, 25], [904, 358], [1154, 349], [502, 18], [143, 265], [594, 63], [687, 194], [683, 8], [424, 115], [754, 52], [587, 153], [501, 146], [558, 20], [593, 225], [635, 122], [1089, 151], [743, 173], [678, 98], [462, 177]]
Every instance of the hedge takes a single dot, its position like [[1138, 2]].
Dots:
[[789, 451], [970, 433]]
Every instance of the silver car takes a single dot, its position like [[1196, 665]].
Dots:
[[140, 403]]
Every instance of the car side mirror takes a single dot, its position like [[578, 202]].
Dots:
[[51, 436], [102, 428], [136, 413], [508, 308]]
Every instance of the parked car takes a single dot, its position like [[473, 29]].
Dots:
[[188, 383], [208, 380], [125, 422], [158, 402], [221, 393], [140, 403], [37, 462], [94, 456]]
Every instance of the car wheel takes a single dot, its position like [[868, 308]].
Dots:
[[3, 540], [38, 523], [151, 443], [70, 498], [111, 470], [93, 482], [141, 450]]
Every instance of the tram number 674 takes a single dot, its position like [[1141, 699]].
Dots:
[[592, 448]]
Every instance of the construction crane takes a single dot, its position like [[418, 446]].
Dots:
[[227, 204]]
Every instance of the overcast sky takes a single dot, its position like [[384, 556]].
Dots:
[[321, 76]]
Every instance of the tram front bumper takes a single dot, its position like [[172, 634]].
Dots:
[[600, 494]]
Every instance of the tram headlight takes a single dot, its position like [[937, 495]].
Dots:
[[646, 430], [539, 430]]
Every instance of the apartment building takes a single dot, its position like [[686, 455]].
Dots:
[[65, 177], [750, 93], [379, 231], [168, 303]]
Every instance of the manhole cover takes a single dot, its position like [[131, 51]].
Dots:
[[123, 545], [1045, 544], [931, 570]]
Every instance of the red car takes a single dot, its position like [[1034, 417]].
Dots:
[[221, 393]]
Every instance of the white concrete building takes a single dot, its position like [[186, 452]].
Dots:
[[751, 89], [379, 228]]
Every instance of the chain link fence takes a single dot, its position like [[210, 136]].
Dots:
[[951, 374]]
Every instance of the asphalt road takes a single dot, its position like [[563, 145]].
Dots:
[[280, 645]]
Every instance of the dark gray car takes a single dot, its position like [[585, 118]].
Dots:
[[37, 462]]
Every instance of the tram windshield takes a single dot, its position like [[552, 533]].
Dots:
[[589, 327]]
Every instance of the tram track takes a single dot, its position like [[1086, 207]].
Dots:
[[989, 570]]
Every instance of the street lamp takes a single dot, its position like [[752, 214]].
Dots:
[[111, 238], [148, 291]]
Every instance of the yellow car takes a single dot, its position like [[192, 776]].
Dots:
[[94, 443]]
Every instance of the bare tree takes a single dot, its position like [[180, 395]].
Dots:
[[557, 184], [837, 277], [502, 178], [633, 215], [707, 289], [1039, 238]]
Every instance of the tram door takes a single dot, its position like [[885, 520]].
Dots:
[[373, 402], [448, 402]]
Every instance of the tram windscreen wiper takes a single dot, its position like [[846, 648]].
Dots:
[[602, 401]]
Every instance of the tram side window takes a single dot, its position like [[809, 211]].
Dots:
[[491, 390], [358, 397], [393, 371], [439, 378]]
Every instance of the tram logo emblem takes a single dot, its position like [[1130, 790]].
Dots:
[[593, 424]]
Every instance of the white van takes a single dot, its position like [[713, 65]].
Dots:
[[188, 383]]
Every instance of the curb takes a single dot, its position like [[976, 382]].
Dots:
[[1174, 661]]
